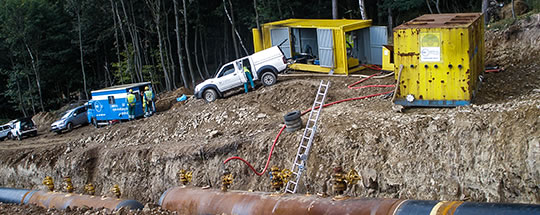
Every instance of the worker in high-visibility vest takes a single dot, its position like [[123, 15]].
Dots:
[[149, 101], [250, 80], [131, 99]]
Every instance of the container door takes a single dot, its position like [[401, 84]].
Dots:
[[378, 38], [325, 41], [278, 35]]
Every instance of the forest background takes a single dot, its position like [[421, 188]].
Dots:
[[54, 52]]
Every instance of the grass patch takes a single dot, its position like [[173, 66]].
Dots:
[[501, 24]]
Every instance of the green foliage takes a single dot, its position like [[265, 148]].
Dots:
[[50, 30]]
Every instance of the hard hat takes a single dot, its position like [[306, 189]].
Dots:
[[146, 88], [130, 90]]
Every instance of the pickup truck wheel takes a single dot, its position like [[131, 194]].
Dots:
[[10, 136], [268, 78], [210, 95]]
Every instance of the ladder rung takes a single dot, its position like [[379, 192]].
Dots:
[[302, 146], [321, 94], [293, 182]]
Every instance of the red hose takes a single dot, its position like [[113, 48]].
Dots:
[[269, 156], [306, 111]]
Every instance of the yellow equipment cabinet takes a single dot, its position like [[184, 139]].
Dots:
[[442, 57], [324, 45]]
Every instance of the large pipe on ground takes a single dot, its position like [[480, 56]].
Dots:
[[61, 201], [199, 201]]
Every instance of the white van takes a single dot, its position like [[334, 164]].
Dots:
[[264, 66], [5, 131]]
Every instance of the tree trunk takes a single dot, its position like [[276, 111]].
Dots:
[[235, 31], [390, 22], [128, 69], [117, 44], [484, 11], [137, 48], [195, 46], [36, 73], [334, 9], [279, 9], [231, 20], [81, 52], [179, 46], [225, 41], [204, 53], [256, 14], [21, 104], [134, 43], [186, 43], [172, 68], [429, 7], [362, 9], [31, 96], [513, 11]]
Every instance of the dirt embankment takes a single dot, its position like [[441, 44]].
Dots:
[[484, 152]]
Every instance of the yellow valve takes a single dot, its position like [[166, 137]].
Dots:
[[226, 181], [340, 185], [68, 186], [184, 176], [278, 178], [116, 191], [353, 177], [48, 181], [90, 189]]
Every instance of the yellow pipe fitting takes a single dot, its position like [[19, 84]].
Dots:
[[48, 181], [339, 182], [68, 185], [226, 181], [352, 177], [184, 176], [89, 189], [278, 177], [116, 191]]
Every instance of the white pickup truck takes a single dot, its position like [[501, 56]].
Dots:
[[264, 66]]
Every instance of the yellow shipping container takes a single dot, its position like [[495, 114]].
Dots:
[[442, 57], [334, 46]]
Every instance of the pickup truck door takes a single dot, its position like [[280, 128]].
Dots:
[[228, 77]]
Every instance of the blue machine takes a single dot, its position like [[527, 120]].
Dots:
[[111, 103]]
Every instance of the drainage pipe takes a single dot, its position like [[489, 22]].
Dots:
[[199, 201], [61, 201]]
